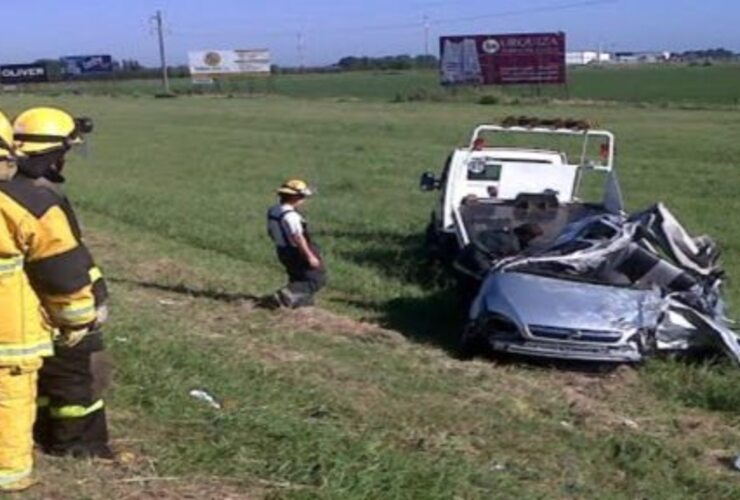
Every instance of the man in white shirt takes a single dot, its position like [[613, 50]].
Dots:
[[295, 249]]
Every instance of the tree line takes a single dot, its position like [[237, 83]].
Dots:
[[400, 62], [719, 54]]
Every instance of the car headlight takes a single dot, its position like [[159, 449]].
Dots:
[[500, 326]]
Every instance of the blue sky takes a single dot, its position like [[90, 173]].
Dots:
[[333, 28]]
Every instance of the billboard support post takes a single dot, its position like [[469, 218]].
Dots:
[[301, 54], [427, 27]]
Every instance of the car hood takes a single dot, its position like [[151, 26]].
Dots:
[[530, 299]]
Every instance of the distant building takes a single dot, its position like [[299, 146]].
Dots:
[[641, 57], [586, 57]]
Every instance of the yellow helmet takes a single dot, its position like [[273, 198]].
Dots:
[[7, 146], [296, 187], [42, 130]]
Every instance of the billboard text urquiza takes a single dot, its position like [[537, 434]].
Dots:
[[511, 59]]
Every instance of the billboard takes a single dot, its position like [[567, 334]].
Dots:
[[209, 63], [510, 59], [11, 74], [86, 65]]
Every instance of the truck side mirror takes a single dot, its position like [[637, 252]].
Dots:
[[428, 182]]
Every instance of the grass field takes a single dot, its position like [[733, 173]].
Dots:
[[674, 85], [361, 398]]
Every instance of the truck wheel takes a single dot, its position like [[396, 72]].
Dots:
[[431, 242]]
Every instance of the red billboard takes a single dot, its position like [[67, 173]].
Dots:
[[524, 58]]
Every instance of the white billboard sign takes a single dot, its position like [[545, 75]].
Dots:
[[204, 63]]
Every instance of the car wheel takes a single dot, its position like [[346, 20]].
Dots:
[[471, 345]]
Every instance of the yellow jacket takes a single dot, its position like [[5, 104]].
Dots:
[[46, 273]]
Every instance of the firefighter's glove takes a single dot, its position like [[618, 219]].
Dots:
[[70, 338], [102, 315]]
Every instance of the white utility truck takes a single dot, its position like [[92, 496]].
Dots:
[[496, 185]]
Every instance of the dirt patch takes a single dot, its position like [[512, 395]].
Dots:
[[133, 478], [271, 355], [320, 320], [594, 399], [164, 270], [722, 461], [591, 412]]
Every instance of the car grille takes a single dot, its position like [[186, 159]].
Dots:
[[575, 335]]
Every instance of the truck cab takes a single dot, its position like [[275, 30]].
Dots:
[[493, 187]]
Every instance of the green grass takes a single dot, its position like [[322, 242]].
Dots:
[[173, 197], [657, 84]]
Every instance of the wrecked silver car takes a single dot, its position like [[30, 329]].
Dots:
[[531, 221], [610, 288]]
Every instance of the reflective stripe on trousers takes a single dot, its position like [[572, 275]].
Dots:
[[74, 411], [8, 479], [11, 265], [68, 411]]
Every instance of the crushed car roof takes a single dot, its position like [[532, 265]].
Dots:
[[643, 277]]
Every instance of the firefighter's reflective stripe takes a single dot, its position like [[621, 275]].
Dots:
[[9, 478], [10, 265], [41, 349], [74, 315], [75, 411], [95, 274], [42, 402], [74, 310]]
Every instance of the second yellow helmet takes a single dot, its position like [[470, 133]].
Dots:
[[42, 130], [7, 146]]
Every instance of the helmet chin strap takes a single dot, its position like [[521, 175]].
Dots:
[[54, 174]]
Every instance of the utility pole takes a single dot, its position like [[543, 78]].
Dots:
[[157, 18], [300, 47], [426, 35]]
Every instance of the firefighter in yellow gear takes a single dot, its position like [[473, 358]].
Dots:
[[71, 415], [31, 234]]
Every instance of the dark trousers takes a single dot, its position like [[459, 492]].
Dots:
[[71, 417], [303, 281]]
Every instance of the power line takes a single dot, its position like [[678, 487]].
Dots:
[[532, 10], [427, 19], [273, 34]]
